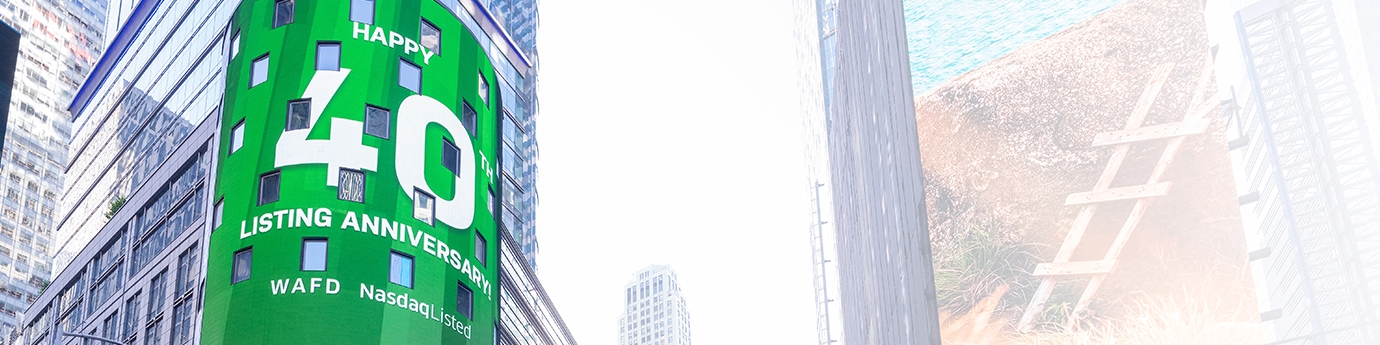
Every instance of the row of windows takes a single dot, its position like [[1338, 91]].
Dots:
[[185, 308], [401, 268], [328, 59], [328, 53], [361, 11]]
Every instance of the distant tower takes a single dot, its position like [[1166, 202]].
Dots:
[[653, 310]]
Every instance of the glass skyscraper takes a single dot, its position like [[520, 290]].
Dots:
[[517, 19], [60, 42]]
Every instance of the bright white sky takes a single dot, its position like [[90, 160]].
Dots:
[[669, 134]]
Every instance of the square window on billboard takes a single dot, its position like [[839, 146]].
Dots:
[[235, 45], [268, 188], [298, 115], [400, 269], [243, 259], [469, 118], [328, 56], [283, 12], [409, 76], [483, 89], [423, 206], [464, 300], [237, 137], [450, 156], [481, 249], [351, 185], [362, 11], [314, 254], [431, 37], [220, 212], [258, 71], [377, 121]]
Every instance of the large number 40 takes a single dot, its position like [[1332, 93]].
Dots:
[[345, 148]]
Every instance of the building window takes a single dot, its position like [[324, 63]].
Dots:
[[298, 115], [314, 254], [409, 76], [423, 206], [111, 325], [220, 213], [377, 121], [400, 269], [282, 12], [328, 56], [431, 37], [469, 118], [481, 249], [158, 294], [351, 185], [493, 202], [237, 137], [243, 259], [258, 71], [188, 271], [483, 89], [182, 322], [450, 156], [464, 300], [235, 45], [154, 334], [362, 11], [268, 188], [131, 317]]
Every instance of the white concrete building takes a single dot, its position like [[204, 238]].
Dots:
[[654, 310]]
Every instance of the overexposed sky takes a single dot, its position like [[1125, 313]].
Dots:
[[670, 134]]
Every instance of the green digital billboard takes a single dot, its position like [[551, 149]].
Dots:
[[355, 184]]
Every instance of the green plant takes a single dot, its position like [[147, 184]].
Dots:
[[979, 264], [115, 205]]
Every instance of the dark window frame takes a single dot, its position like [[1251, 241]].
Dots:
[[481, 249], [467, 309], [440, 36], [234, 264], [291, 16], [373, 11], [363, 185], [419, 191], [287, 118], [268, 64], [469, 117], [404, 61], [412, 266], [339, 54], [239, 126], [325, 262], [279, 187], [387, 134]]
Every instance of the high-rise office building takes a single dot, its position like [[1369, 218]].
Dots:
[[59, 42], [168, 136], [654, 311], [873, 275], [1303, 134], [517, 19]]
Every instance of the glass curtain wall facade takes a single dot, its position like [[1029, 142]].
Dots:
[[59, 44], [516, 56], [864, 176]]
